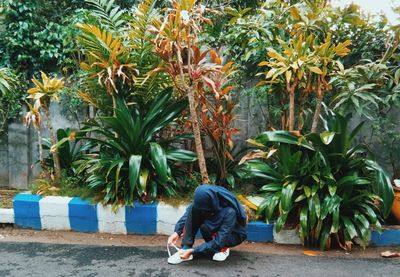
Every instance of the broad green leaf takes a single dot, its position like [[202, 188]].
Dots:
[[351, 230], [304, 220], [327, 137], [287, 193], [332, 189], [143, 177], [300, 198], [181, 155], [159, 160], [134, 168]]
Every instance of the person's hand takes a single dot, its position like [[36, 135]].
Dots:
[[185, 254], [173, 239]]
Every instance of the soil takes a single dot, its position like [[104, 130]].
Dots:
[[6, 197], [10, 234]]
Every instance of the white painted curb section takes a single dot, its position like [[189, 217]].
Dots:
[[110, 222], [287, 237], [54, 212], [167, 218], [6, 216]]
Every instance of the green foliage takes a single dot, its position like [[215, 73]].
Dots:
[[117, 51], [34, 35], [368, 33], [326, 183], [131, 163], [372, 89], [70, 152], [10, 97], [361, 88], [110, 16]]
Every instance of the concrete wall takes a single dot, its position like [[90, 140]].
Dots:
[[19, 149]]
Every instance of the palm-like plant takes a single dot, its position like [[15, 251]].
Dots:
[[108, 60], [327, 184], [327, 65], [42, 94], [176, 39], [217, 111], [131, 162], [304, 64], [290, 67], [111, 16], [34, 117]]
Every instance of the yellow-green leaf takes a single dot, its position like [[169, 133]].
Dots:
[[315, 69]]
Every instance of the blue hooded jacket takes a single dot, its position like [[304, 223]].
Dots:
[[214, 200]]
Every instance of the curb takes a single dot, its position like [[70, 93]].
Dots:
[[66, 213], [6, 216]]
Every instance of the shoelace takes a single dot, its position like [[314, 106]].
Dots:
[[174, 246]]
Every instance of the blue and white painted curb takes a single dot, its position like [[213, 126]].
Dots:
[[66, 213]]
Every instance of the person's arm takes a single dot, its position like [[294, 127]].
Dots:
[[181, 222], [224, 231]]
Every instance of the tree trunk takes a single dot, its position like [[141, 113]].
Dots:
[[291, 109], [189, 90], [300, 121], [56, 158], [291, 89], [114, 103], [197, 137], [317, 110], [39, 134]]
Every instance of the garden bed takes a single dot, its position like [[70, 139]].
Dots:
[[6, 197]]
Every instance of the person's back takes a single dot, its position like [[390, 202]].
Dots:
[[221, 219]]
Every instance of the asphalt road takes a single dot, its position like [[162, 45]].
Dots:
[[36, 259]]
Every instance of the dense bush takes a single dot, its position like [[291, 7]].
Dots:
[[132, 161], [327, 185]]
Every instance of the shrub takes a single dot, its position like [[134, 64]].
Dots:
[[330, 187], [131, 161]]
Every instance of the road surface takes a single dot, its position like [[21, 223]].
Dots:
[[41, 259]]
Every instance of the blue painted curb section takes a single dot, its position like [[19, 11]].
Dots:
[[27, 212], [141, 219], [389, 237], [64, 213], [260, 231], [82, 216]]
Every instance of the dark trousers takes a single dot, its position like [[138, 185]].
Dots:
[[194, 223]]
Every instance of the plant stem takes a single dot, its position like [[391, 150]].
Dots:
[[197, 137], [114, 103], [39, 134], [317, 109], [56, 159]]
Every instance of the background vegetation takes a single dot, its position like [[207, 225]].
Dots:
[[160, 79]]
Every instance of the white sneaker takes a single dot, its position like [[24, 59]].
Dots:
[[221, 256], [176, 259]]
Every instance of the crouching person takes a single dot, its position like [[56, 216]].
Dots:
[[221, 220]]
